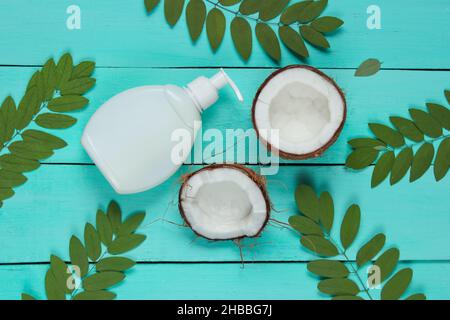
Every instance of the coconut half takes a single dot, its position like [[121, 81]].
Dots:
[[224, 202], [306, 107]]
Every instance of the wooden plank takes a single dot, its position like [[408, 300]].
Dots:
[[222, 281], [119, 33], [372, 99], [58, 200]]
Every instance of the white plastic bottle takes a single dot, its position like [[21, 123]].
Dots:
[[129, 138]]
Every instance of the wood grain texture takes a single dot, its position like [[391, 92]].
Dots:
[[132, 49], [222, 281], [58, 200], [371, 99], [414, 34]]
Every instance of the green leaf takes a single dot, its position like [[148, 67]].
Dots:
[[401, 165], [314, 37], [326, 211], [95, 295], [397, 285], [350, 225], [114, 264], [52, 289], [367, 143], [92, 241], [215, 28], [64, 69], [16, 164], [173, 10], [387, 262], [26, 296], [440, 114], [7, 119], [49, 78], [78, 255], [327, 24], [361, 158], [241, 34], [102, 280], [328, 268], [44, 138], [9, 179], [30, 150], [421, 161], [55, 121], [312, 11], [426, 123], [131, 224], [382, 168], [268, 41], [195, 18], [249, 7], [307, 202], [293, 41], [77, 86], [407, 128], [447, 95], [305, 225], [228, 3], [67, 103], [338, 287], [387, 135], [417, 296], [83, 69], [6, 193], [442, 162], [28, 107], [271, 8], [292, 13], [319, 245], [356, 298], [114, 214], [368, 68], [61, 273], [370, 249], [104, 228], [125, 243]]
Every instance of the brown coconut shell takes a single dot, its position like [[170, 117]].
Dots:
[[259, 180], [315, 153]]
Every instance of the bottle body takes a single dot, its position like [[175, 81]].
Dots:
[[130, 137]]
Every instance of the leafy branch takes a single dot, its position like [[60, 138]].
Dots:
[[315, 224], [57, 88], [397, 157], [102, 245], [296, 23]]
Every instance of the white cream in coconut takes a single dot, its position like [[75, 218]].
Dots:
[[224, 203], [305, 107]]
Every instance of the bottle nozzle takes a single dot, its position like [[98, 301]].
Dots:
[[220, 79], [205, 91]]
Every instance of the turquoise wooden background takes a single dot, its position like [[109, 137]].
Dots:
[[131, 49]]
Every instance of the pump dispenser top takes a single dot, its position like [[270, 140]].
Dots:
[[135, 137]]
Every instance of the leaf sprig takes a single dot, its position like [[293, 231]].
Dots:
[[296, 23], [100, 251], [315, 224], [397, 157], [52, 92]]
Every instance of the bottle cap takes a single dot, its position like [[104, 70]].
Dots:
[[206, 91]]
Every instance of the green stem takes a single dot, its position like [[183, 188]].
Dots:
[[354, 270], [87, 274], [417, 143], [237, 13]]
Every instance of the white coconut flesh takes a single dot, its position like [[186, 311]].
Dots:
[[305, 108], [223, 203]]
